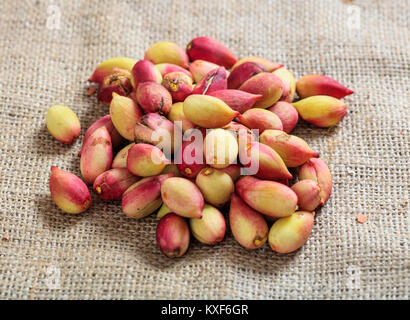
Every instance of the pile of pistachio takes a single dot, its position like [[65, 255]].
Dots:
[[203, 139]]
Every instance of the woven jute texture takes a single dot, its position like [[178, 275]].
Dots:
[[48, 49]]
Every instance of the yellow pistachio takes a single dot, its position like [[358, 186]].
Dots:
[[63, 123]]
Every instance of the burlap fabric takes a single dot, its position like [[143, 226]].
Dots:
[[48, 49]]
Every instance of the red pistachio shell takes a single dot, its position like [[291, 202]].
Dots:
[[293, 150], [269, 65], [260, 119], [63, 124], [199, 68], [210, 228], [178, 84], [269, 163], [118, 82], [308, 193], [155, 129], [68, 191], [220, 148], [216, 186], [189, 162], [268, 197], [207, 111], [244, 72], [96, 156], [153, 97], [116, 138], [208, 49], [266, 84], [248, 226], [165, 68], [111, 184], [109, 66], [244, 134], [316, 169], [143, 197], [183, 197], [214, 80], [317, 84], [176, 115], [146, 160], [167, 52], [290, 233], [124, 113], [120, 159], [287, 114], [289, 84], [173, 235], [145, 71], [238, 100], [321, 111]]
